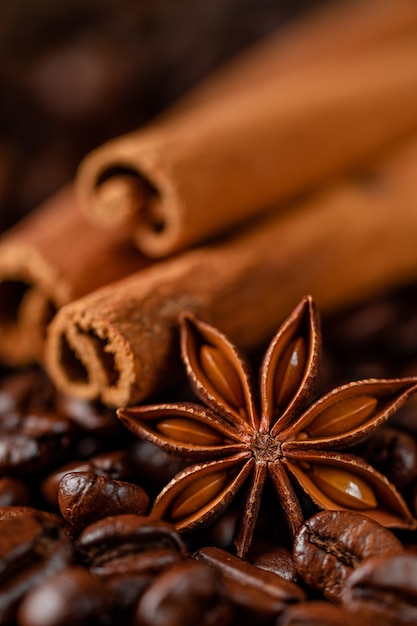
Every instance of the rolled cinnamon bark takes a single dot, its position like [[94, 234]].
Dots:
[[342, 28], [357, 238], [197, 172], [48, 259]]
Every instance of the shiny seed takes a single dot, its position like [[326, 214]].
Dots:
[[221, 375], [343, 416], [197, 495], [290, 371], [189, 431], [344, 487]]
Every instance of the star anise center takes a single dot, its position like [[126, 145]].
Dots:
[[266, 449]]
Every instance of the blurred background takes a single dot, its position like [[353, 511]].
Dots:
[[75, 73]]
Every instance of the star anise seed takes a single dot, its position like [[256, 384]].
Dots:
[[235, 441]]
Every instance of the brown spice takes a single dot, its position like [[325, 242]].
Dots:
[[194, 174], [50, 258], [335, 29], [350, 241], [235, 441]]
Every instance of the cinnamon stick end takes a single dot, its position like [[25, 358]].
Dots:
[[30, 294], [118, 200], [86, 357]]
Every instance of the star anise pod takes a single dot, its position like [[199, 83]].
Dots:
[[237, 440]]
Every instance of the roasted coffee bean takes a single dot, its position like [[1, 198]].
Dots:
[[85, 497], [150, 561], [15, 390], [394, 453], [365, 324], [154, 466], [256, 594], [72, 596], [331, 544], [115, 465], [26, 391], [186, 594], [273, 558], [13, 492], [405, 418], [89, 417], [32, 548], [127, 552], [32, 442], [116, 536], [223, 531], [47, 425], [384, 590], [400, 341], [12, 512], [318, 613], [128, 576]]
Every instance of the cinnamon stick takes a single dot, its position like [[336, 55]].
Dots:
[[352, 240], [199, 171], [48, 259], [343, 28]]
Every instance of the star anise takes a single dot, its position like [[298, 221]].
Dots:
[[235, 440]]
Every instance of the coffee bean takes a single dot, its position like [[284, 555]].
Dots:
[[128, 576], [15, 391], [12, 512], [85, 497], [384, 590], [115, 536], [405, 418], [71, 596], [273, 558], [32, 442], [13, 492], [105, 545], [32, 547], [331, 544], [318, 613], [253, 592], [127, 552], [223, 531], [394, 453], [89, 417], [186, 594], [26, 391], [113, 465], [154, 466]]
